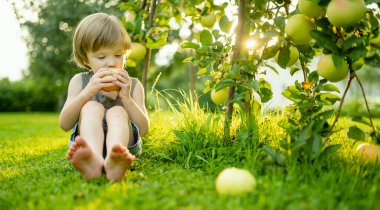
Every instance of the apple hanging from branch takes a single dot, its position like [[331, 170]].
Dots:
[[333, 72], [345, 12], [137, 51], [298, 29]]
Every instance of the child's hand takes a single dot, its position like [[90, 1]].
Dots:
[[125, 84], [99, 81]]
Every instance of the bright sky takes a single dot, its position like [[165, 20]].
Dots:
[[13, 53]]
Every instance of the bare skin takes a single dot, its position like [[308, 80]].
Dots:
[[117, 162], [84, 160]]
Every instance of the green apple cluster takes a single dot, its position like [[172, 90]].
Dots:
[[340, 13]]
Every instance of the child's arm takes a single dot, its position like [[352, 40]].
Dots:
[[76, 97], [136, 109], [135, 106], [74, 103]]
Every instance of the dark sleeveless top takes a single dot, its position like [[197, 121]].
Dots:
[[103, 99]]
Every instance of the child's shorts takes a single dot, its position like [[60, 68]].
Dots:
[[134, 149]]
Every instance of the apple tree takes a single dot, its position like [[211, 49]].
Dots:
[[339, 33]]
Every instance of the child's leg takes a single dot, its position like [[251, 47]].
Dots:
[[85, 153], [118, 158]]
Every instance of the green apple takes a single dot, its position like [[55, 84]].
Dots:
[[208, 20], [137, 51], [327, 69], [311, 9], [235, 181], [369, 153], [345, 12], [298, 28], [293, 56], [220, 96], [115, 87]]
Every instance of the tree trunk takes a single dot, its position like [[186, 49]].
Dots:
[[148, 55], [238, 42]]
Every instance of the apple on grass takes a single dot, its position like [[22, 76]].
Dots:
[[220, 96], [234, 181], [298, 28], [114, 87], [345, 12], [137, 51], [327, 69], [311, 9], [208, 20], [369, 153]]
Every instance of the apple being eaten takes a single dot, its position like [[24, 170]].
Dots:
[[369, 153], [114, 87], [137, 51], [311, 9], [345, 12], [208, 20], [234, 182], [327, 69], [298, 29], [220, 96]]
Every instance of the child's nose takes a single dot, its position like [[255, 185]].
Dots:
[[111, 63]]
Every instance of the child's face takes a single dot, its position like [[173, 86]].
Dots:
[[106, 57]]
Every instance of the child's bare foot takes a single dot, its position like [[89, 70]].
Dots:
[[83, 159], [117, 162]]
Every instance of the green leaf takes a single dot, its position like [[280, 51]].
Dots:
[[325, 40], [255, 85], [276, 156], [352, 42], [188, 60], [225, 24], [204, 50], [357, 53], [330, 87], [361, 119], [265, 90], [355, 133], [293, 94], [313, 77], [294, 70], [338, 61], [225, 83], [329, 98], [269, 52], [329, 150], [206, 38], [283, 57], [156, 37], [190, 45], [279, 21], [234, 72]]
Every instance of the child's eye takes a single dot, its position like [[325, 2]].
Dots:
[[100, 57], [118, 55]]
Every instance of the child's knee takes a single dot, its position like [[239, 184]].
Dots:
[[93, 107], [117, 112]]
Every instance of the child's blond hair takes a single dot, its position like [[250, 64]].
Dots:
[[96, 31]]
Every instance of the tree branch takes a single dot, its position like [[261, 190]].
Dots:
[[366, 102]]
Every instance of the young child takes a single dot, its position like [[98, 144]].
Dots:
[[106, 125]]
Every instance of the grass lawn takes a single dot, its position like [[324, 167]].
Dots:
[[34, 173]]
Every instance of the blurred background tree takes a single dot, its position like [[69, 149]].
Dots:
[[49, 43]]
